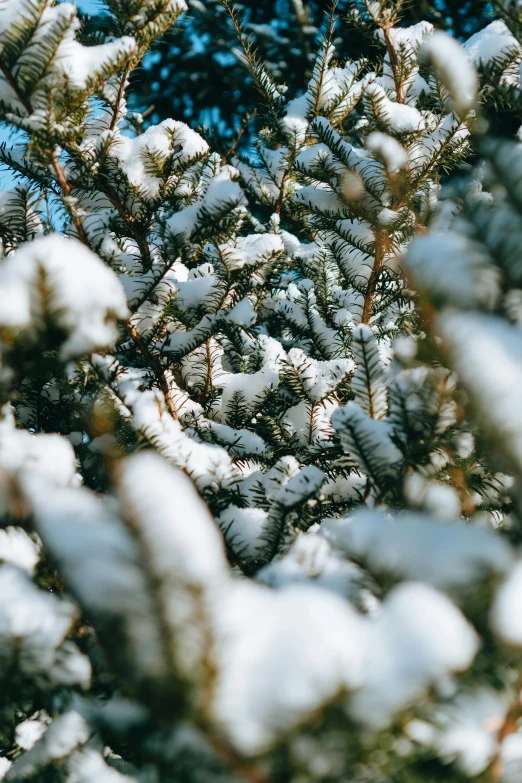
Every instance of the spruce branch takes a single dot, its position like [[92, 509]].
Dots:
[[66, 190], [394, 62], [373, 280], [232, 760], [60, 175], [509, 726], [154, 363], [136, 230], [324, 60], [261, 77], [245, 122]]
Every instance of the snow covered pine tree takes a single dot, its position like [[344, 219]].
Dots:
[[260, 501]]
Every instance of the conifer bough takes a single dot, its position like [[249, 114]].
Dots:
[[260, 429]]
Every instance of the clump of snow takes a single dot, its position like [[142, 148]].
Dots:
[[511, 758], [467, 729], [417, 638], [22, 455], [453, 67], [312, 560], [67, 732], [61, 280], [251, 389], [319, 378], [200, 290], [258, 694], [81, 64], [452, 267], [252, 249], [241, 442], [343, 489], [303, 484], [494, 41], [179, 544], [413, 546], [506, 613], [495, 394], [397, 116], [295, 121], [87, 765], [222, 192], [208, 465], [311, 424], [50, 455], [18, 548], [406, 41], [436, 498], [388, 150], [189, 553], [244, 528], [33, 623], [102, 564], [29, 731], [168, 139]]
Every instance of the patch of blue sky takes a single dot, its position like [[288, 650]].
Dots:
[[91, 6], [11, 137]]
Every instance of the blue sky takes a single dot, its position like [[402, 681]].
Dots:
[[89, 6]]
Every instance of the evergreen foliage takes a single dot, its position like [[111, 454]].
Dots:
[[260, 429], [195, 62]]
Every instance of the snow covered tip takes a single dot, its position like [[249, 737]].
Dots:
[[454, 69], [388, 150], [60, 281], [170, 140], [450, 556], [506, 612]]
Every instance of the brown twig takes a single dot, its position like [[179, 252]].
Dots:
[[244, 125], [155, 365], [508, 727], [148, 111], [208, 379], [394, 62], [130, 221], [13, 85], [235, 762], [66, 190], [371, 288]]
